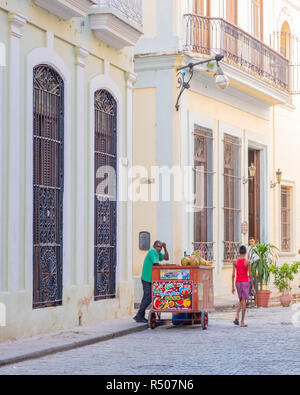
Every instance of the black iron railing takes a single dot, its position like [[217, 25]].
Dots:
[[215, 35], [231, 250]]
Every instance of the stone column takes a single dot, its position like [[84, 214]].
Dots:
[[15, 132], [130, 80], [81, 134]]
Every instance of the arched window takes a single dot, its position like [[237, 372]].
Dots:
[[285, 40], [48, 137], [105, 254]]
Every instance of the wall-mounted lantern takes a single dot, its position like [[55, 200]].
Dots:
[[252, 171], [278, 178]]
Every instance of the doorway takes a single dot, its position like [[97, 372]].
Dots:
[[254, 192]]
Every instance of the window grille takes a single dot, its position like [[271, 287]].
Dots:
[[232, 196], [105, 203], [203, 189], [48, 175], [286, 220]]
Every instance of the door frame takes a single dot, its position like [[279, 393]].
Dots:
[[256, 163], [260, 143]]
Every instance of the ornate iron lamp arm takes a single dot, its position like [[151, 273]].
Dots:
[[181, 75], [183, 84]]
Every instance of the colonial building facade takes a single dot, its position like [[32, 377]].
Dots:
[[65, 112], [255, 121]]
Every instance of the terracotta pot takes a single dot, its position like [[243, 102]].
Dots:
[[263, 298], [285, 300]]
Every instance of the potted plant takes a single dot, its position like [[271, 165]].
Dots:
[[283, 276], [265, 254]]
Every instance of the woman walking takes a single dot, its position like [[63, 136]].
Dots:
[[242, 270]]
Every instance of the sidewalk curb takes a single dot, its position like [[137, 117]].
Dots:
[[71, 346]]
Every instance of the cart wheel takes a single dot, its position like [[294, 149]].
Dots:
[[151, 320], [204, 320]]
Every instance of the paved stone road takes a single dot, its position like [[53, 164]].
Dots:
[[270, 345]]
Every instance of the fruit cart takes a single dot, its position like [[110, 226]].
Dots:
[[182, 290]]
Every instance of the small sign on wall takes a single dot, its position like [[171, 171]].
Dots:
[[244, 228], [144, 241]]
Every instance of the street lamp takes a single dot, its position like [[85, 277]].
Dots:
[[252, 171], [278, 177], [222, 81]]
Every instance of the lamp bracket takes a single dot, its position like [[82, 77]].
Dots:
[[183, 85]]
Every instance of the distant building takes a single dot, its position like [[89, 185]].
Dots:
[[222, 132]]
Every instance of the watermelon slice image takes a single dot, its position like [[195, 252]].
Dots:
[[157, 304]]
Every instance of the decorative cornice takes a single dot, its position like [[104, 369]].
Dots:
[[111, 27], [66, 9], [130, 79], [16, 22], [80, 55]]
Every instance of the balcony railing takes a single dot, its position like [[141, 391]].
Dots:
[[288, 46], [131, 9], [210, 36]]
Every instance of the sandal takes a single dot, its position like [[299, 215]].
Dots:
[[236, 322], [244, 326]]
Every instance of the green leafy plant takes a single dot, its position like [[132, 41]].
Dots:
[[266, 255], [283, 275]]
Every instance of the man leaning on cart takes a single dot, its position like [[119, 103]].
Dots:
[[154, 256]]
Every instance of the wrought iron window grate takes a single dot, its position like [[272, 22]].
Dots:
[[203, 189], [105, 202], [48, 175], [232, 196]]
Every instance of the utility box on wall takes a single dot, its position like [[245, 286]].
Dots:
[[144, 241]]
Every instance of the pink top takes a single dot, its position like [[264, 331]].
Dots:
[[241, 271]]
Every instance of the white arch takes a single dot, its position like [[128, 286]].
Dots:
[[285, 16], [104, 81], [46, 55]]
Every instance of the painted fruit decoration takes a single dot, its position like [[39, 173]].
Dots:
[[179, 302], [158, 304], [187, 302], [185, 290], [171, 303]]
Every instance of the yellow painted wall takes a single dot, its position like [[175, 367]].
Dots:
[[77, 298], [144, 154], [74, 31], [226, 113]]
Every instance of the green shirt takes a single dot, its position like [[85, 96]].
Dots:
[[152, 257]]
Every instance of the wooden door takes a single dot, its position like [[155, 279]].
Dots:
[[257, 18], [201, 7], [201, 27], [254, 196], [232, 11], [230, 44]]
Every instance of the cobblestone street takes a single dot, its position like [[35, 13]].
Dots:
[[270, 345]]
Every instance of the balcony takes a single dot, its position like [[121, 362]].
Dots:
[[250, 61], [66, 9], [118, 23]]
